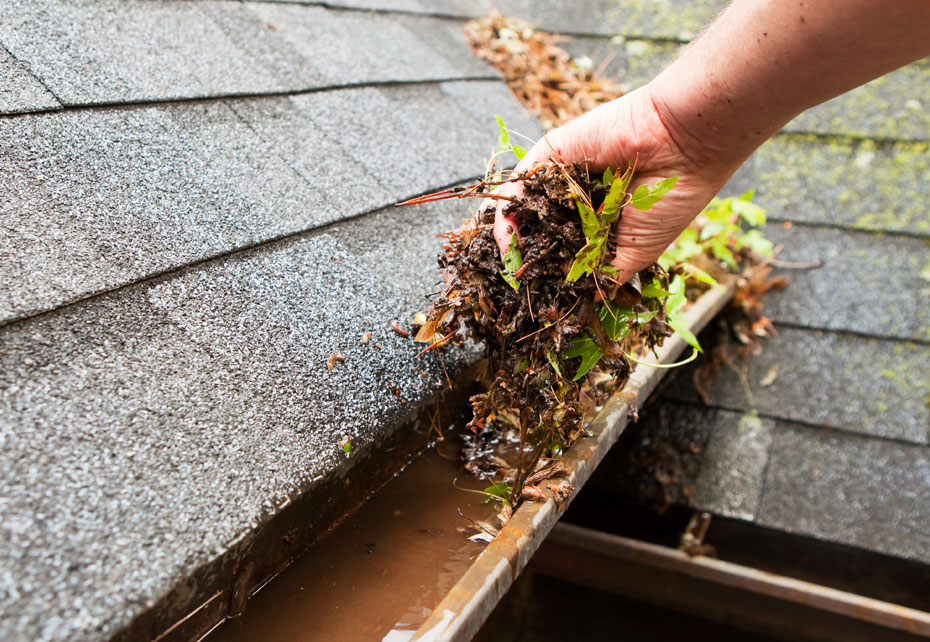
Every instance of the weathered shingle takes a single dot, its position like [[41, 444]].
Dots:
[[852, 490], [167, 420], [868, 285], [127, 193], [870, 386], [841, 182], [20, 91], [129, 51]]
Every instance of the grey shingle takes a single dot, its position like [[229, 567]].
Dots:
[[867, 284], [853, 490], [167, 420], [733, 466], [128, 51], [678, 19], [19, 90], [839, 181], [870, 386], [96, 199], [707, 458]]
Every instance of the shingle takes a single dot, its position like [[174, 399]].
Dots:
[[733, 466], [859, 491], [868, 284], [707, 458], [677, 19], [118, 51], [870, 386], [349, 47], [100, 198], [185, 410], [95, 199], [895, 106], [839, 181], [20, 91]]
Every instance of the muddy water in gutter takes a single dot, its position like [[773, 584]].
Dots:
[[378, 575]]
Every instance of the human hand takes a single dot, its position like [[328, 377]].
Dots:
[[612, 135]]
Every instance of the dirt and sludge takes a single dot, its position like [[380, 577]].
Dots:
[[379, 575]]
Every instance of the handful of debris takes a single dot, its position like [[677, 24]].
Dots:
[[555, 321]]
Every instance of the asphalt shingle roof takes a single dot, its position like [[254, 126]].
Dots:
[[839, 448], [187, 237], [195, 227]]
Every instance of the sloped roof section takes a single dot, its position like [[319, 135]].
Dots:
[[194, 219], [837, 448]]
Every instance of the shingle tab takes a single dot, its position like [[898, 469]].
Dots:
[[707, 458], [852, 490], [100, 198], [870, 386], [676, 19], [188, 410], [867, 284], [20, 91], [839, 181], [95, 199], [118, 51]]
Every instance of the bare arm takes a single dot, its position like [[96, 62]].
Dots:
[[757, 66]]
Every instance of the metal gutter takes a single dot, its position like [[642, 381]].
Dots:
[[757, 601], [462, 612]]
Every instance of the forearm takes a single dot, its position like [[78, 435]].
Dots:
[[762, 62]]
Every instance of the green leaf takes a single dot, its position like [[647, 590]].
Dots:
[[523, 366], [586, 260], [500, 490], [503, 140], [554, 362], [613, 202], [712, 229], [645, 197], [589, 352], [676, 299], [590, 224], [654, 290], [615, 319], [749, 212], [699, 274], [612, 271], [513, 261], [608, 177], [347, 447], [519, 151], [678, 325], [718, 247], [754, 240]]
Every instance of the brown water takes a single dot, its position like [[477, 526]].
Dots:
[[379, 575]]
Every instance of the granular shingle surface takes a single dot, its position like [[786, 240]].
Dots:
[[129, 51], [165, 421], [132, 192], [176, 276], [19, 90]]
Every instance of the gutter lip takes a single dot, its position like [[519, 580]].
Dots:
[[459, 616]]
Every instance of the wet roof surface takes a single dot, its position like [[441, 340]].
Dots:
[[839, 449], [184, 250], [195, 217]]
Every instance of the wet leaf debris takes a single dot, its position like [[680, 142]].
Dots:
[[554, 319], [560, 330], [546, 78]]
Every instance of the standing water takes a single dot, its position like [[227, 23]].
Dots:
[[380, 573]]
